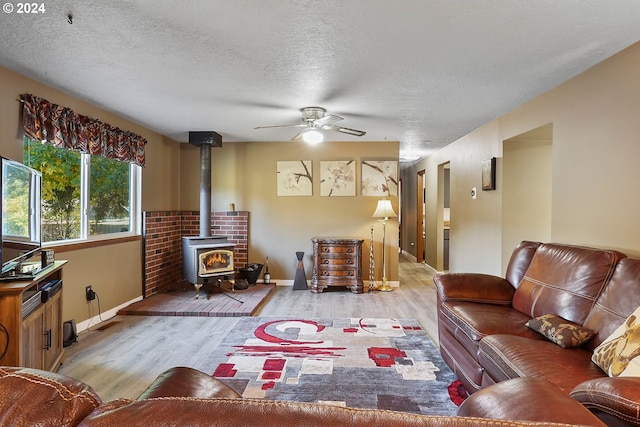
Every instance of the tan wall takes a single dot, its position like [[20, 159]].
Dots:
[[114, 271], [594, 172], [245, 174], [593, 185], [526, 197]]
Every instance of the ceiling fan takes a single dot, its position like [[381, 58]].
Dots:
[[315, 119]]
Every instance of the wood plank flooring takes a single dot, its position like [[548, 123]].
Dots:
[[123, 358]]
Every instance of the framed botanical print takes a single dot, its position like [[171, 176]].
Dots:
[[294, 178], [379, 178], [338, 178]]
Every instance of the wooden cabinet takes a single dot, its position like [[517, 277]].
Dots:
[[31, 334], [337, 262]]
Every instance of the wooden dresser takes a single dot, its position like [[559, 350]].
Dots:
[[337, 262]]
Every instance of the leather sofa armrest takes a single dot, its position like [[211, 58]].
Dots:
[[473, 287], [30, 397], [616, 396], [527, 399], [188, 382]]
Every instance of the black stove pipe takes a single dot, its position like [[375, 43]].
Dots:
[[205, 190], [205, 140]]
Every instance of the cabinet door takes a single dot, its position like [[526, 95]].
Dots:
[[53, 332], [33, 340]]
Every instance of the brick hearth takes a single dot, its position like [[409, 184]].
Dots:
[[163, 231]]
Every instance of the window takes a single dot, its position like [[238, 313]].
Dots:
[[84, 197]]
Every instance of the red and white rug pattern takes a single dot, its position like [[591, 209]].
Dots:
[[366, 363]]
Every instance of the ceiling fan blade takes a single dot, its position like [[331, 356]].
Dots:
[[327, 119], [354, 132], [281, 126], [298, 137]]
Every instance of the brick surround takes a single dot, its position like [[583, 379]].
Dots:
[[163, 231]]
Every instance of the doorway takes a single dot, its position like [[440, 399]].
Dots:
[[446, 215], [421, 217]]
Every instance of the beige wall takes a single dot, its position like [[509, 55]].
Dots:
[[526, 188], [593, 174], [594, 178], [115, 270], [245, 174]]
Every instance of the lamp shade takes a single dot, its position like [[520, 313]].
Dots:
[[313, 136], [384, 210]]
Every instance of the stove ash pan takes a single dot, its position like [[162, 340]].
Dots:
[[206, 257]]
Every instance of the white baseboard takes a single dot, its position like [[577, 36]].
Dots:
[[102, 317], [431, 269], [414, 259], [408, 255], [392, 283]]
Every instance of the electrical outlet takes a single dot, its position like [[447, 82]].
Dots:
[[89, 294]]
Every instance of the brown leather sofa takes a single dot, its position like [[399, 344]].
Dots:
[[484, 338], [186, 397]]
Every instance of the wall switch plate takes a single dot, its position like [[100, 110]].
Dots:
[[474, 193]]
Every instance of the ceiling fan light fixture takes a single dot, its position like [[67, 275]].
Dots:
[[312, 136]]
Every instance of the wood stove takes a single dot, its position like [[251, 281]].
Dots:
[[206, 257]]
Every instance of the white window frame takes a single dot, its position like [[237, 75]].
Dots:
[[135, 203]]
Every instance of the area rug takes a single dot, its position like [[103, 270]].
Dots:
[[360, 363]]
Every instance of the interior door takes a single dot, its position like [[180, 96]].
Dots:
[[421, 219]]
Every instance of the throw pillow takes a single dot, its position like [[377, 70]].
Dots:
[[619, 354], [560, 331]]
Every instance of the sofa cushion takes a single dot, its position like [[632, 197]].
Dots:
[[616, 302], [508, 356], [520, 260], [619, 354], [560, 331], [479, 320], [29, 397], [565, 280]]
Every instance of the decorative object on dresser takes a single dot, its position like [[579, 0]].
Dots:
[[337, 262], [385, 211], [300, 281]]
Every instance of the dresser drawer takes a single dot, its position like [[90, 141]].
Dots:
[[336, 249], [331, 261], [337, 273]]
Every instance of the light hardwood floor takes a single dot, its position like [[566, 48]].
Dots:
[[124, 358]]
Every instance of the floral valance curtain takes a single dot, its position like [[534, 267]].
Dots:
[[63, 127]]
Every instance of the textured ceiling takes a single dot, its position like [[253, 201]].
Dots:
[[422, 72]]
